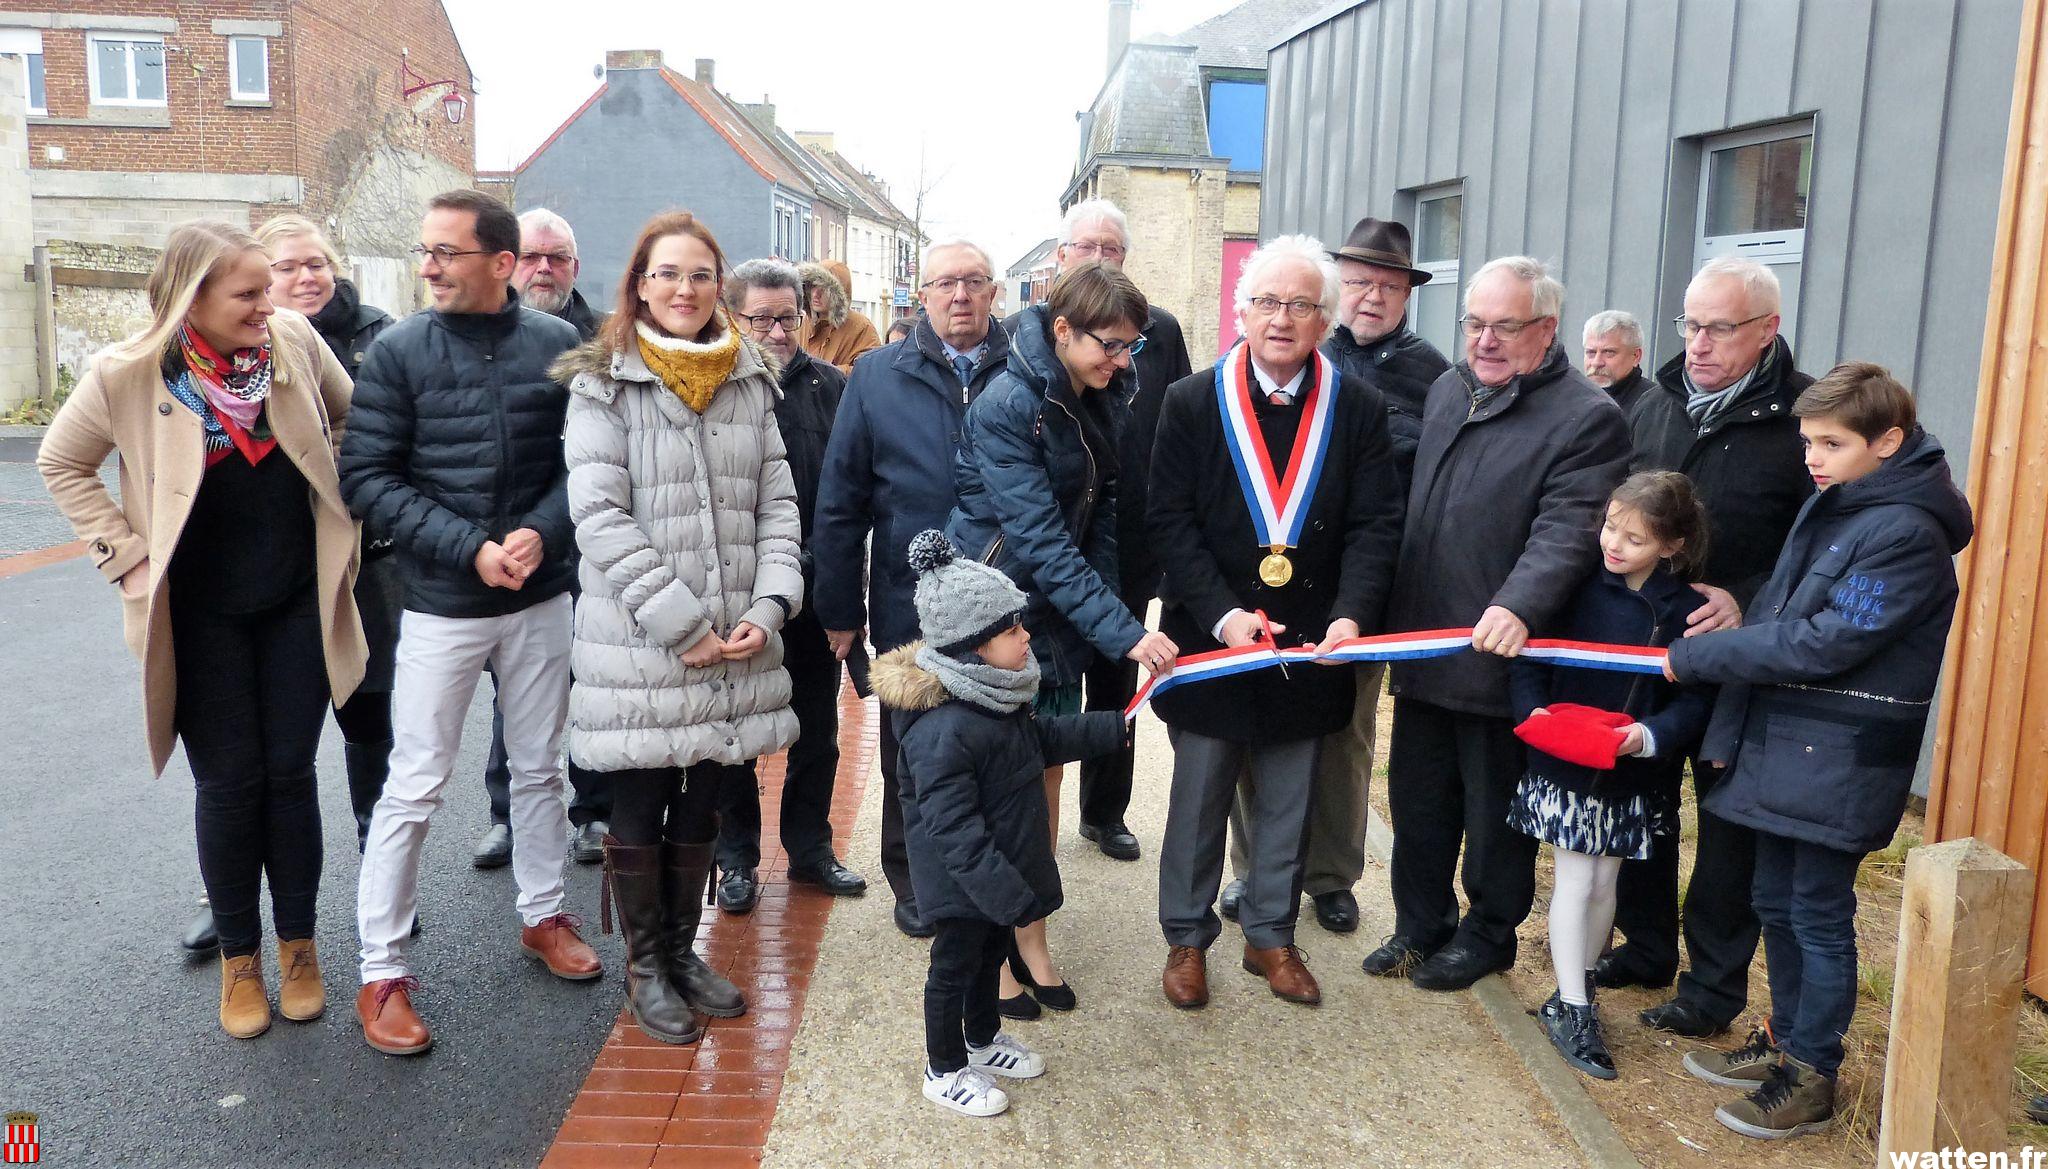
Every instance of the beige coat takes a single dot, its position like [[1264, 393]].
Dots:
[[124, 406]]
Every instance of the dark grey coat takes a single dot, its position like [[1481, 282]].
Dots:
[[1504, 510]]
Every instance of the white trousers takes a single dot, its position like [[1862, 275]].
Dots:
[[439, 661]]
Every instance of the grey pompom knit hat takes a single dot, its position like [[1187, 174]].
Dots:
[[961, 603]]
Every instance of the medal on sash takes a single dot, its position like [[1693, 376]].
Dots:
[[1278, 502]]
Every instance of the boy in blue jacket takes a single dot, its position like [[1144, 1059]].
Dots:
[[1824, 699]]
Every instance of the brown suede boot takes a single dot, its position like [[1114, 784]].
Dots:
[[301, 996], [244, 1003]]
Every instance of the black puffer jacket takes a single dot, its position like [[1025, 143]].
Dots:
[[1402, 367], [454, 439], [1749, 465], [1503, 511], [1607, 610], [973, 793], [1038, 482], [1826, 688], [348, 326]]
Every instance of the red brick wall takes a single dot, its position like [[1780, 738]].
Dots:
[[334, 88]]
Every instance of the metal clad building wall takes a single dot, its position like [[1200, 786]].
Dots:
[[1576, 127]]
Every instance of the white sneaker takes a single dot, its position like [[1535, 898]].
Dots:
[[968, 1092], [1006, 1057]]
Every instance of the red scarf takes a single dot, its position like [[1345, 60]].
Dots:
[[235, 388]]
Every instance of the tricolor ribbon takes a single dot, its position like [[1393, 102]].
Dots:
[[1390, 647], [1278, 501]]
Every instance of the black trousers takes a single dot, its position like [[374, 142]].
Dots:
[[1106, 779], [1721, 927], [590, 799], [1646, 900], [1450, 778], [252, 696], [895, 853], [960, 993], [809, 770], [652, 804]]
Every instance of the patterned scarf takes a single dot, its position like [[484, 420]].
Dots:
[[1703, 406], [236, 385], [691, 370]]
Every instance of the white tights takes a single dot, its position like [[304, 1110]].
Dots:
[[1581, 917]]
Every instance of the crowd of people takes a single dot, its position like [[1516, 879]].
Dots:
[[664, 529]]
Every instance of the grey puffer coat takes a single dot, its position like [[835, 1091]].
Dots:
[[687, 523]]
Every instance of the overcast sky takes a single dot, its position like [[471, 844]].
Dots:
[[988, 91]]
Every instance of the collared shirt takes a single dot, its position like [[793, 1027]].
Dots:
[[973, 355], [1269, 387]]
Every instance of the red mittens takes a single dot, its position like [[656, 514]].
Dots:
[[1585, 735]]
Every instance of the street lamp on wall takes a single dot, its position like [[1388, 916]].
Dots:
[[411, 81]]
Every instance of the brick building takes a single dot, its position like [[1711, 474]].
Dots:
[[882, 243], [1176, 137], [143, 113]]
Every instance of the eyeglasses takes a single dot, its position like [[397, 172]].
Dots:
[[765, 322], [293, 267], [442, 253], [945, 285], [1106, 251], [1300, 310], [1716, 330], [700, 279], [551, 259], [1111, 348], [1505, 330], [1388, 289]]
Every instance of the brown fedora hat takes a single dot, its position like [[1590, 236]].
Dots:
[[1382, 242]]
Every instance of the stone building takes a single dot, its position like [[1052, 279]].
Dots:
[[144, 113], [1176, 137]]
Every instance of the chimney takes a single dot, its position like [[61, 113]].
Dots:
[[1119, 30], [705, 66], [632, 59]]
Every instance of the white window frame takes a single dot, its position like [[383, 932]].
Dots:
[[26, 43], [92, 68], [1773, 249], [1442, 272], [237, 94]]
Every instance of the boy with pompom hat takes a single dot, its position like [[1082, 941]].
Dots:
[[972, 765]]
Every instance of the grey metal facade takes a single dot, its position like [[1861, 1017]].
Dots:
[[1577, 129], [640, 150]]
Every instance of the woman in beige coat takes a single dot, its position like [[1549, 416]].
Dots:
[[686, 519], [234, 556]]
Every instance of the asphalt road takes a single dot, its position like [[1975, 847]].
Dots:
[[112, 1037]]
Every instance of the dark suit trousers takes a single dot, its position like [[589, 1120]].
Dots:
[[1646, 900], [1106, 779], [1721, 927], [809, 770], [895, 853], [1450, 778]]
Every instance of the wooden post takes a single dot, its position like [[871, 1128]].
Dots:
[[1955, 1001], [1990, 759]]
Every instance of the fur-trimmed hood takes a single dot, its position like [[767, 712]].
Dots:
[[904, 685], [834, 278]]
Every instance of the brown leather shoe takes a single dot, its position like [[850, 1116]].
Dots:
[[300, 995], [389, 1023], [1187, 977], [1284, 971], [555, 942]]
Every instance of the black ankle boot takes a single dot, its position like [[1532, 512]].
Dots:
[[1575, 1032], [367, 764], [633, 882], [686, 872]]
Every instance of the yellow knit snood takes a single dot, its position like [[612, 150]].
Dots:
[[691, 370]]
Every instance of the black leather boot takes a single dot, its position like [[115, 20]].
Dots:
[[633, 882], [686, 872], [367, 764]]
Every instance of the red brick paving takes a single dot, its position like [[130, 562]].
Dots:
[[13, 563], [653, 1105]]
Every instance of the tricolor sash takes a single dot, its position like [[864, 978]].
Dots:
[[1390, 647], [1278, 501]]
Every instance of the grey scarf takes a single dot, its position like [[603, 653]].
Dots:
[[1703, 406], [979, 684]]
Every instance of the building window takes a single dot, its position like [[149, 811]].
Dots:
[[1439, 233], [1753, 189], [1237, 123], [248, 69], [27, 44], [126, 70]]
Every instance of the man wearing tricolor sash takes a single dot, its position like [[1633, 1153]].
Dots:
[[1518, 455], [1277, 513]]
